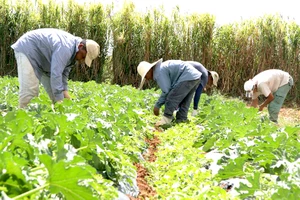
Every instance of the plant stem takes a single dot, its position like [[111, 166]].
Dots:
[[37, 168], [81, 148], [30, 192]]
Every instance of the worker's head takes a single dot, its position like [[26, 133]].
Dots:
[[249, 86], [88, 50], [213, 78], [145, 70]]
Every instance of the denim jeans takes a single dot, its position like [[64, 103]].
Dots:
[[28, 82], [279, 97], [180, 96]]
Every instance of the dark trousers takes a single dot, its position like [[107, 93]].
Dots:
[[180, 97], [197, 96]]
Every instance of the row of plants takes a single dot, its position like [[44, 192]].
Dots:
[[84, 148], [228, 151], [126, 36]]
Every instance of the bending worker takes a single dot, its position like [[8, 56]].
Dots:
[[274, 84]]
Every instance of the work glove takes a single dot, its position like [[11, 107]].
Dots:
[[164, 120], [195, 112]]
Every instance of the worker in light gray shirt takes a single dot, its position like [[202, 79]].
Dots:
[[47, 55], [178, 81]]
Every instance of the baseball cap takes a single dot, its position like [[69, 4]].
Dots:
[[93, 51], [215, 77], [248, 87]]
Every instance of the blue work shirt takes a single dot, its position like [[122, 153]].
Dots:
[[51, 52], [203, 70], [171, 72]]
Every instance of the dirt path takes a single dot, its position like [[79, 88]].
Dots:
[[289, 116], [146, 191]]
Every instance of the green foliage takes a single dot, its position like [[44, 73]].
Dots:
[[227, 141], [80, 149], [89, 144]]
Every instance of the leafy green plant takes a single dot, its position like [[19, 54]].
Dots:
[[227, 141], [80, 149]]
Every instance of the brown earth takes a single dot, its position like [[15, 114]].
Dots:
[[146, 191], [289, 116]]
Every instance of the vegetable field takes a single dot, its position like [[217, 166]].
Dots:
[[87, 148]]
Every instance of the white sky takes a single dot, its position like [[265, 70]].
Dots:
[[226, 11]]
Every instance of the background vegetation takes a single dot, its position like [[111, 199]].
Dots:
[[237, 51]]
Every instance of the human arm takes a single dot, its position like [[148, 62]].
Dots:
[[266, 102], [254, 103], [159, 103], [59, 74], [65, 77], [164, 82], [161, 100], [265, 90]]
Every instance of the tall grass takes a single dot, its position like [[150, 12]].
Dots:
[[237, 51]]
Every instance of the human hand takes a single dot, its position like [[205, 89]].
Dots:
[[66, 94], [261, 107], [156, 111]]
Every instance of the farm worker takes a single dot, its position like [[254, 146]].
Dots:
[[273, 84], [178, 81], [208, 78], [46, 55]]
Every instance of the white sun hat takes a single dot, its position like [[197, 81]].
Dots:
[[215, 77], [92, 51], [248, 87], [143, 69]]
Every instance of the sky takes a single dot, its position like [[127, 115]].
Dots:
[[226, 11]]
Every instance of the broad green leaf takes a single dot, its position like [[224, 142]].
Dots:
[[254, 180], [70, 180], [234, 168], [287, 193]]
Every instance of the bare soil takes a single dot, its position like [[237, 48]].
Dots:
[[289, 116], [146, 191]]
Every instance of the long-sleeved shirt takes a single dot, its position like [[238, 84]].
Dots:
[[51, 52], [203, 70], [169, 73]]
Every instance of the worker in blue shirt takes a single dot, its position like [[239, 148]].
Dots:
[[208, 78], [46, 55], [178, 81]]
